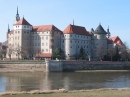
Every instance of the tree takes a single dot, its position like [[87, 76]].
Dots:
[[101, 51], [57, 53], [10, 50], [111, 52], [18, 51], [123, 51], [81, 53]]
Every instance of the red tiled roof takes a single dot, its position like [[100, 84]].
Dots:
[[73, 29], [116, 40], [44, 55], [22, 22], [45, 28], [11, 32], [109, 41]]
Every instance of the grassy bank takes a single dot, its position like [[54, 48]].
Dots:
[[88, 93]]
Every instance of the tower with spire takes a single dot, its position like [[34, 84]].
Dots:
[[17, 18], [8, 29], [108, 33]]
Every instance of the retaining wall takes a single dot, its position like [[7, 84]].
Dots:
[[28, 66], [95, 65], [58, 66]]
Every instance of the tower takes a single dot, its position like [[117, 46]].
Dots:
[[17, 18], [108, 33], [8, 29]]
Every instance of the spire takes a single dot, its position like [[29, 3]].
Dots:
[[108, 30], [17, 18], [73, 21], [108, 33], [17, 10], [8, 28]]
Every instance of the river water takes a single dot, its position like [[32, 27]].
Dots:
[[68, 80]]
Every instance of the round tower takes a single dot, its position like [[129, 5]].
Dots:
[[100, 42]]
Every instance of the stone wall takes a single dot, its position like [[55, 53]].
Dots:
[[54, 66], [59, 66], [23, 66], [95, 65]]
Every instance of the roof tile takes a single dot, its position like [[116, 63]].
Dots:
[[23, 22], [73, 29]]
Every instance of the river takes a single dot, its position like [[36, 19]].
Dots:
[[27, 81]]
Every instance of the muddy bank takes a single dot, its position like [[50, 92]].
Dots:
[[61, 91]]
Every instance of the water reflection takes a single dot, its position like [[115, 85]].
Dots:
[[67, 80]]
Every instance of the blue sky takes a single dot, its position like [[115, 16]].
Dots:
[[87, 13]]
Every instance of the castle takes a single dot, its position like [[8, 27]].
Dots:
[[41, 41]]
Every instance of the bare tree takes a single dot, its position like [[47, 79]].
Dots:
[[123, 50], [101, 51], [111, 52], [10, 50]]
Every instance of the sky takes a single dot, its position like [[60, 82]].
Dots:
[[87, 13]]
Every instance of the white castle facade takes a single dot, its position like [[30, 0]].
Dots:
[[41, 41]]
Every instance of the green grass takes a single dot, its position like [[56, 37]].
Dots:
[[95, 93]]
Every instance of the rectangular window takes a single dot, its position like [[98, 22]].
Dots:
[[46, 37], [42, 44]]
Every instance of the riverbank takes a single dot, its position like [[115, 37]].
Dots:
[[61, 66], [125, 92]]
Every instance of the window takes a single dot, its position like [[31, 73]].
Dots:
[[16, 32], [70, 35], [24, 31], [42, 44], [42, 38], [46, 44], [63, 41], [42, 50], [71, 41], [46, 37], [38, 44], [36, 38], [24, 26], [27, 26], [47, 50], [70, 46]]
